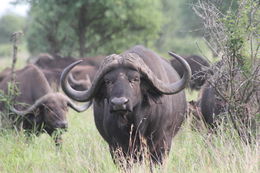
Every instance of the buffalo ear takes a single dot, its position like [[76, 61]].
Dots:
[[150, 94]]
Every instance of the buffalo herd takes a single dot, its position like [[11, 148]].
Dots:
[[138, 97]]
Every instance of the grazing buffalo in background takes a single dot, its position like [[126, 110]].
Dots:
[[38, 107], [199, 69], [138, 98], [93, 60], [47, 61], [210, 105], [52, 67]]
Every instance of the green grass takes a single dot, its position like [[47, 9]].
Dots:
[[85, 151]]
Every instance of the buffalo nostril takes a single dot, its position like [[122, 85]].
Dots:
[[119, 103], [119, 100], [62, 125]]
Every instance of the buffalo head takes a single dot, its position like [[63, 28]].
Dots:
[[123, 89], [51, 110], [122, 76], [125, 81]]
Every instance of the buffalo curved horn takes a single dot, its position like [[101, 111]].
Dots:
[[75, 107], [83, 96], [130, 60], [72, 79], [68, 90], [181, 84], [85, 82], [161, 86], [78, 108], [31, 108]]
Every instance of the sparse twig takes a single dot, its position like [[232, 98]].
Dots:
[[231, 35], [15, 38]]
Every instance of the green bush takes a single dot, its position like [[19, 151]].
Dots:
[[186, 46]]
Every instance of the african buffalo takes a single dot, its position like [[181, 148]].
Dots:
[[138, 98], [38, 108], [81, 76], [47, 61], [199, 69], [212, 105], [52, 67], [93, 60], [80, 72], [208, 107]]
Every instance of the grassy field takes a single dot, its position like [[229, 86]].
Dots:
[[85, 151]]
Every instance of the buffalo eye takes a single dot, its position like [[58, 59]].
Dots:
[[108, 82], [135, 79]]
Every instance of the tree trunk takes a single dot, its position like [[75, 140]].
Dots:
[[81, 31]]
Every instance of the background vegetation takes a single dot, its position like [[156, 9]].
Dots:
[[86, 27]]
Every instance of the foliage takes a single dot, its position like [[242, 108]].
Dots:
[[182, 29], [88, 27], [192, 24], [234, 37], [10, 23], [170, 10], [6, 101], [242, 28]]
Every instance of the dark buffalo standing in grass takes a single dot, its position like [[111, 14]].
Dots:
[[38, 107], [199, 69], [138, 99], [208, 109], [211, 105]]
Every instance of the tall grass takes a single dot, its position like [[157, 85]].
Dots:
[[85, 151]]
